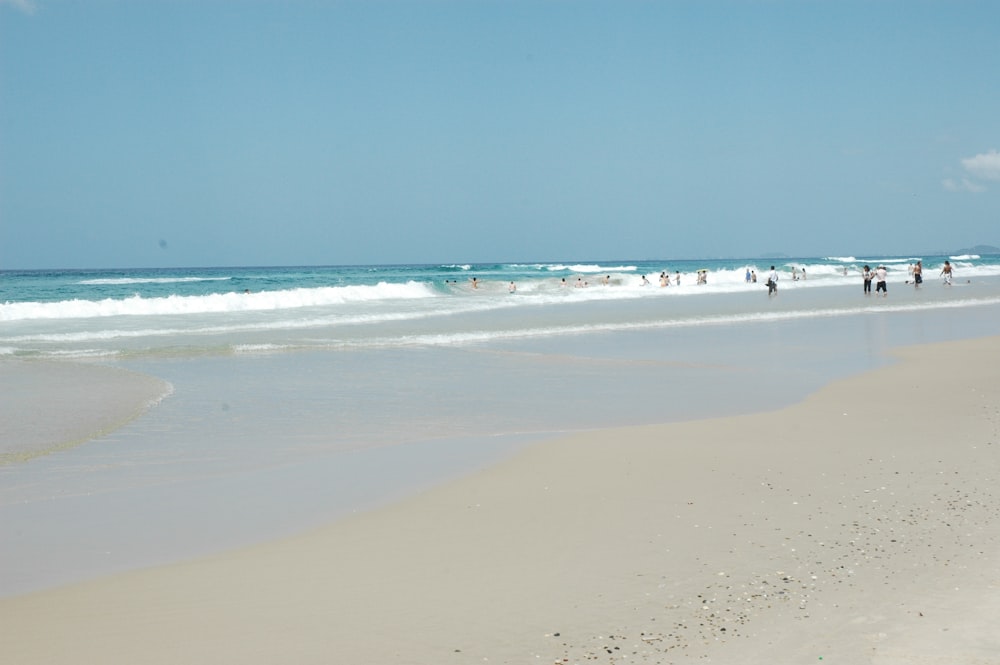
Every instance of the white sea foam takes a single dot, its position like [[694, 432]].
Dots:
[[259, 348], [886, 262], [588, 268], [79, 354], [238, 326], [213, 303]]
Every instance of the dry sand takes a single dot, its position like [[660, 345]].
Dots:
[[859, 526]]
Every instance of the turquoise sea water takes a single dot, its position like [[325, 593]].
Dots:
[[150, 312], [326, 390]]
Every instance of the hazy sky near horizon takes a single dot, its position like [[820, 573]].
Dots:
[[142, 133]]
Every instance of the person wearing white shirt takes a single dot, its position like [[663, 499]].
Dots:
[[772, 282], [880, 273]]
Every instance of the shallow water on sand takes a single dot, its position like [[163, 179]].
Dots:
[[254, 446]]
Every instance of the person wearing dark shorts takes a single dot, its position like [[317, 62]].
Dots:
[[880, 273]]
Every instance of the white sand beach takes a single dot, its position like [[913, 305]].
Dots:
[[861, 525]]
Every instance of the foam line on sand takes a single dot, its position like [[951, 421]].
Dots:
[[49, 406]]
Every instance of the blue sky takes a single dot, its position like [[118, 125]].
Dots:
[[211, 132]]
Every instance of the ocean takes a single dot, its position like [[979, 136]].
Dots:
[[127, 314], [296, 395]]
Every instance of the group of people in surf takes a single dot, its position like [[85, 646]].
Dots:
[[916, 271], [879, 275]]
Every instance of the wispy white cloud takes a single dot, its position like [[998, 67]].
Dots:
[[985, 166], [25, 6], [980, 169], [963, 185]]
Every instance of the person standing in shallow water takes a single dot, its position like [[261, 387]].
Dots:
[[918, 274], [946, 273], [772, 282], [866, 273], [880, 275]]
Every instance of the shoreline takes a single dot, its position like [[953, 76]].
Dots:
[[858, 525], [50, 406]]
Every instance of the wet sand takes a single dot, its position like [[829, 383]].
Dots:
[[50, 406], [861, 525]]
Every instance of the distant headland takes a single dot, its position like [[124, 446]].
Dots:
[[978, 249]]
